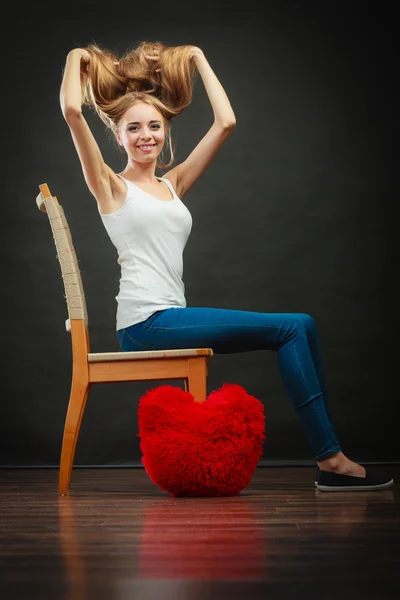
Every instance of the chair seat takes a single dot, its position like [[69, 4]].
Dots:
[[180, 353]]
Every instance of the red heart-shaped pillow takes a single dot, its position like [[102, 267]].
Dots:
[[208, 448]]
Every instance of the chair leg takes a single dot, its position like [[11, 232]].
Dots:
[[196, 383], [76, 407]]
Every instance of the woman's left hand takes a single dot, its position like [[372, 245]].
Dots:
[[195, 51]]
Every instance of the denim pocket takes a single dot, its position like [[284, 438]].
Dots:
[[128, 344]]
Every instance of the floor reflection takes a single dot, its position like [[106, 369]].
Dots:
[[202, 540], [175, 539], [71, 550], [350, 512]]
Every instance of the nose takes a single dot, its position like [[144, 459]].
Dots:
[[146, 134]]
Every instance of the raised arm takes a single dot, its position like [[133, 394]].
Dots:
[[186, 173], [98, 176]]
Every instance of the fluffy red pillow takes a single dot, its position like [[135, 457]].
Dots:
[[208, 448]]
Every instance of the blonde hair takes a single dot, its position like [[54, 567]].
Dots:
[[111, 85]]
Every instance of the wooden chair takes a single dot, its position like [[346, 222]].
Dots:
[[190, 364]]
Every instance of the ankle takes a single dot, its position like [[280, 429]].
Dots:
[[334, 463], [339, 463]]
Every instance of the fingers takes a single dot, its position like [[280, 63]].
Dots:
[[154, 58]]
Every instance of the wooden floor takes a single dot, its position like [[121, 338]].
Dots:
[[118, 536]]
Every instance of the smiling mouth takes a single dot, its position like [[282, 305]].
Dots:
[[146, 147]]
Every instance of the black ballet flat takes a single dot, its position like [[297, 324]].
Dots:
[[327, 481]]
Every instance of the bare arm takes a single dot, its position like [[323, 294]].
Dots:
[[224, 116], [196, 163], [97, 174]]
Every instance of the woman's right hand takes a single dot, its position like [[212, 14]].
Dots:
[[84, 56]]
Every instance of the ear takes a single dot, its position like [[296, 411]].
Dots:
[[118, 138]]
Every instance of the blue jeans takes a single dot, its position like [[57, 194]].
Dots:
[[292, 335]]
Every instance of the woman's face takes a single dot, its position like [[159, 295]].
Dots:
[[141, 132]]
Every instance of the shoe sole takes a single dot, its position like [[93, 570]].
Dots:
[[353, 488]]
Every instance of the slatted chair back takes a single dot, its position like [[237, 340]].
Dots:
[[73, 286]]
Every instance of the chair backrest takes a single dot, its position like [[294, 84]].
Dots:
[[74, 292]]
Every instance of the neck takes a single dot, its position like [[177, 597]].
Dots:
[[141, 172]]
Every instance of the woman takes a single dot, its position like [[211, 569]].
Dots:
[[136, 97]]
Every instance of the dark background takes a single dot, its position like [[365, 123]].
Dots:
[[297, 213]]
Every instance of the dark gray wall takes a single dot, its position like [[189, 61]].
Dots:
[[297, 213]]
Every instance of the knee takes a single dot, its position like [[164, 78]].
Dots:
[[300, 323], [295, 325], [308, 321]]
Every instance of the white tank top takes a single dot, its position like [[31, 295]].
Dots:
[[150, 236]]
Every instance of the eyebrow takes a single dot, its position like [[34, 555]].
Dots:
[[138, 122]]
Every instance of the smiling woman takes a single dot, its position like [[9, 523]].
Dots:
[[137, 97]]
